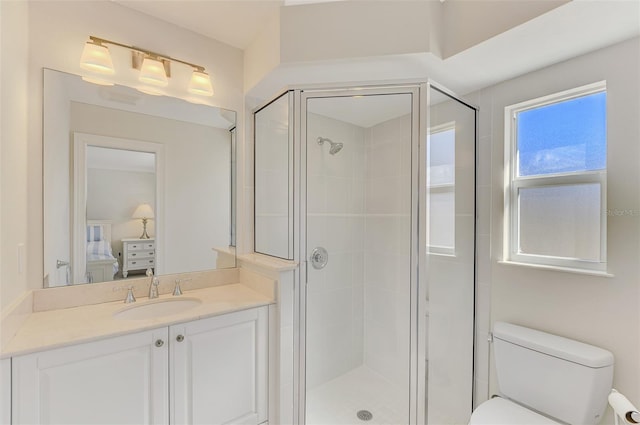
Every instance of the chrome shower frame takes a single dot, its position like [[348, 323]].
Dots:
[[420, 92], [418, 168]]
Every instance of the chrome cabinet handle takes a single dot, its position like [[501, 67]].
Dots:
[[180, 338], [159, 343]]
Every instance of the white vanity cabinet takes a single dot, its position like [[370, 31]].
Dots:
[[121, 380], [211, 371], [219, 369]]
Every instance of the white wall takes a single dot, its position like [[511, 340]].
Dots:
[[344, 30], [14, 151], [196, 180], [51, 34], [598, 310]]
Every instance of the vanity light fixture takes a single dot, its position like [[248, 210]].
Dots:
[[152, 72], [144, 212], [155, 69], [200, 83], [96, 57]]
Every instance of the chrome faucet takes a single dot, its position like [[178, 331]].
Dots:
[[153, 286]]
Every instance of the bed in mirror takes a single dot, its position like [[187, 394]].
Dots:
[[133, 182]]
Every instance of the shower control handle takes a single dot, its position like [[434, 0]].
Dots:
[[319, 258]]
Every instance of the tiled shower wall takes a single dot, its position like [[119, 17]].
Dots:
[[359, 203], [335, 202], [387, 249]]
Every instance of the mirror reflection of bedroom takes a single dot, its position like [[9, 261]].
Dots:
[[133, 181], [120, 205]]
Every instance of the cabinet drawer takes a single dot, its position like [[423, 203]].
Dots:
[[139, 255], [139, 246], [141, 263]]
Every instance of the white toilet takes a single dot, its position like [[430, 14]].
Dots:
[[546, 379]]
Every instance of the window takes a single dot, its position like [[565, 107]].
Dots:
[[555, 180], [441, 189]]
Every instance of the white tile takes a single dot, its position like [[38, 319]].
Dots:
[[337, 194], [357, 343], [384, 195], [316, 231], [338, 235], [316, 194], [388, 234], [357, 268], [338, 401], [338, 271], [357, 191], [330, 308], [357, 301], [383, 161]]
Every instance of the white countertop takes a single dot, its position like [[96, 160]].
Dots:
[[61, 327]]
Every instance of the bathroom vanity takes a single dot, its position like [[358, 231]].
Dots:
[[212, 370], [197, 358]]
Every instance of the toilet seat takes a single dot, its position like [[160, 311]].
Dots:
[[500, 411]]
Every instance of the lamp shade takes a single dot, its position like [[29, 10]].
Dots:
[[143, 211], [96, 57], [200, 84], [153, 72]]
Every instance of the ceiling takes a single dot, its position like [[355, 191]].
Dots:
[[575, 28], [234, 22]]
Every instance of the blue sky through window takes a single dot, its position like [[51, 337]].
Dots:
[[563, 137]]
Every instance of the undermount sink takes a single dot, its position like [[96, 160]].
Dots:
[[158, 308]]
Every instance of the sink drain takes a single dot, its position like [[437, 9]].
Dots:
[[364, 415]]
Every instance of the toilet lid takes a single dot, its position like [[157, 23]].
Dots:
[[499, 411]]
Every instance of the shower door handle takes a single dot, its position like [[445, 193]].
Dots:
[[319, 258]]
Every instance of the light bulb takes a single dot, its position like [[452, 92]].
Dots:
[[200, 84], [95, 57], [153, 72]]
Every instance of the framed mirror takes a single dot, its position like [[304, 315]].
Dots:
[[133, 181]]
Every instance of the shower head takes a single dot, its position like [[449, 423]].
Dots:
[[335, 146]]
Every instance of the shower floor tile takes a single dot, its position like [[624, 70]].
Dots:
[[338, 401]]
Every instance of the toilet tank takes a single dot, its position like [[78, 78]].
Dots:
[[559, 377]]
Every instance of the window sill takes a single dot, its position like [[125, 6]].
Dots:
[[558, 268]]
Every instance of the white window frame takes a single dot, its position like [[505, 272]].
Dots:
[[444, 188], [513, 183]]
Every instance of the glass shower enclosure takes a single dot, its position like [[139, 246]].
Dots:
[[383, 230]]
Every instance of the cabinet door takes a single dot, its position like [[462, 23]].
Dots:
[[122, 380], [219, 369]]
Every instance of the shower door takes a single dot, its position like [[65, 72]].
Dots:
[[359, 244]]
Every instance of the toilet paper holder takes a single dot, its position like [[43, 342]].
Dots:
[[623, 408]]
